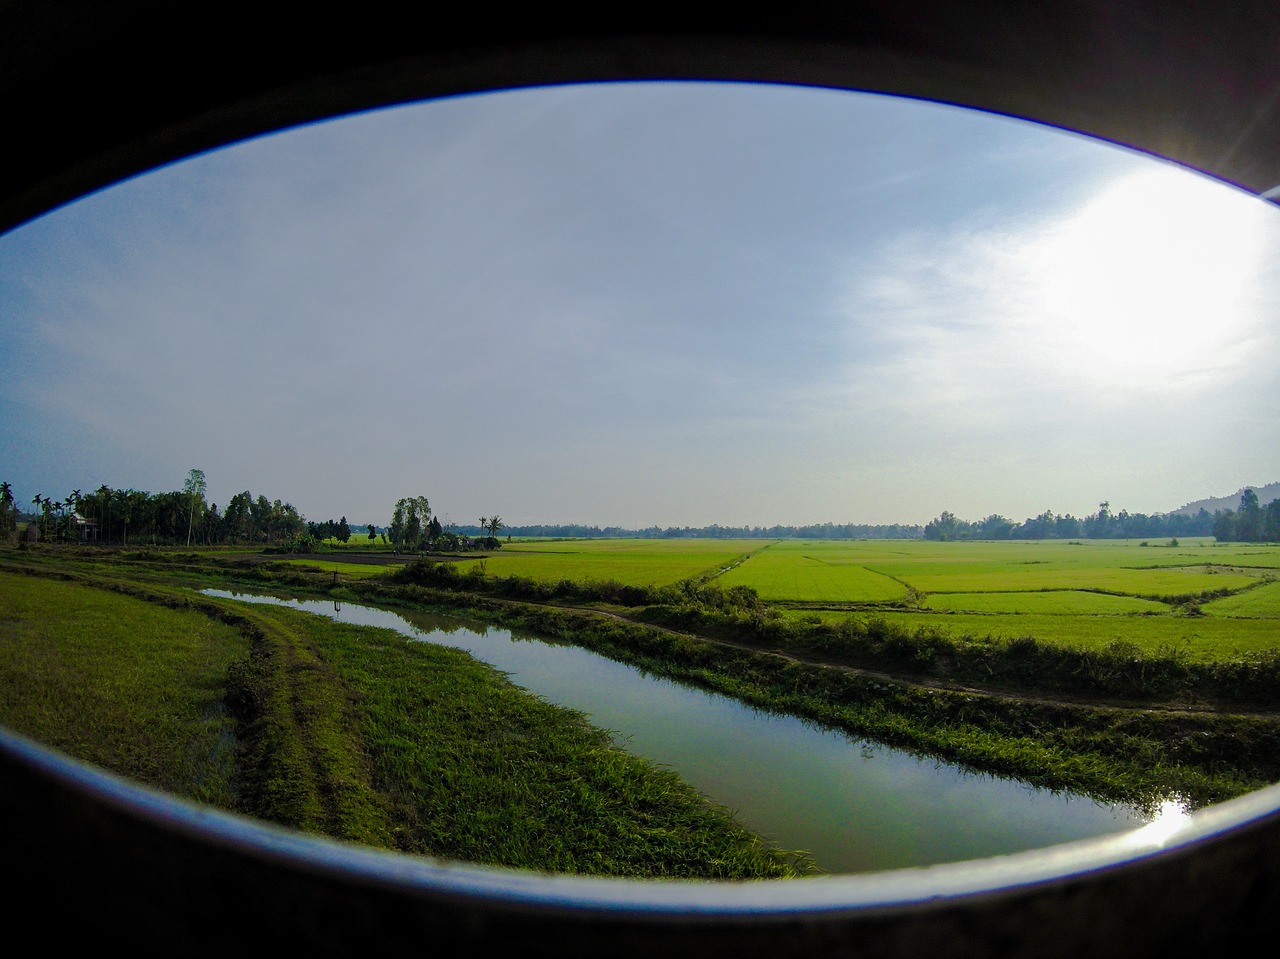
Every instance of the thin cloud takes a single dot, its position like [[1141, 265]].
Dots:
[[636, 304]]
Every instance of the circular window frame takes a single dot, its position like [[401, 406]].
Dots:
[[94, 97]]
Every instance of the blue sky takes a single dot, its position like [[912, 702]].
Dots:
[[666, 304]]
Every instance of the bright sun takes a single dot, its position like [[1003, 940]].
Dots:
[[1154, 277]]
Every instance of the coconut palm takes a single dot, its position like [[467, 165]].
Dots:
[[105, 490], [8, 513]]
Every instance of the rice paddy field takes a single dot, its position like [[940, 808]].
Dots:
[[1204, 599], [640, 562]]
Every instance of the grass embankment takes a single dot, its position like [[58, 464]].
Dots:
[[1103, 720], [1114, 754], [120, 683], [1108, 670], [350, 732]]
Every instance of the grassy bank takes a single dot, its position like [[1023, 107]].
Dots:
[[344, 731], [1114, 754], [124, 684], [1108, 720]]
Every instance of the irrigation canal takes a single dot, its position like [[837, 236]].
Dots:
[[855, 805]]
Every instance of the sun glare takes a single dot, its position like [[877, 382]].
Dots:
[[1154, 277], [1167, 822]]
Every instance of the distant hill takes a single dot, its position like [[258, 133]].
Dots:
[[1265, 495]]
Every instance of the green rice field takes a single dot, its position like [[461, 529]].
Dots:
[[1205, 599], [1203, 638], [643, 562]]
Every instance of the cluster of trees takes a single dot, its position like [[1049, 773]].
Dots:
[[125, 516], [340, 530], [109, 515], [414, 529], [1251, 524], [252, 520]]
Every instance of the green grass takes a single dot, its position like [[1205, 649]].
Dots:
[[878, 571], [1157, 685], [1201, 638], [1112, 754], [812, 572], [481, 771], [350, 732], [1065, 602], [1263, 602], [631, 562], [1083, 594], [121, 683], [345, 570]]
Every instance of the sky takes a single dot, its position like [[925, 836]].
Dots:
[[652, 304]]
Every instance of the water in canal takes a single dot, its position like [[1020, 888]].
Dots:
[[855, 805]]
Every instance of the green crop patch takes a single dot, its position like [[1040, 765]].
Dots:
[[1200, 638], [121, 683], [808, 572], [1063, 602], [631, 562], [346, 570], [1263, 602]]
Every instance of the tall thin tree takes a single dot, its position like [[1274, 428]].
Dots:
[[193, 487]]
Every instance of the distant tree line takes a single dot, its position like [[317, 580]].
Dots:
[[716, 531], [1251, 524], [129, 516]]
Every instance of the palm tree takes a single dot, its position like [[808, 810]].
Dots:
[[8, 513], [55, 506], [495, 524], [73, 500], [125, 510], [105, 490], [484, 523]]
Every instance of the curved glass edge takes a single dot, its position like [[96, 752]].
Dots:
[[889, 890]]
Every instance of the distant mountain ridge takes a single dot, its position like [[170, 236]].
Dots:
[[1265, 495]]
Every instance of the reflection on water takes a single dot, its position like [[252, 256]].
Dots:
[[856, 805]]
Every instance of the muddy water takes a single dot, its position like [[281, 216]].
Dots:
[[855, 805]]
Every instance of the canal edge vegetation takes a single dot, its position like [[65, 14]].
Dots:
[[361, 735], [1110, 724]]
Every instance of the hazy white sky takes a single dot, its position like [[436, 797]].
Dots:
[[648, 304]]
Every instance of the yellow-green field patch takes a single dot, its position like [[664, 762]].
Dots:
[[1034, 575], [1203, 638], [1066, 602], [346, 570], [1262, 602], [792, 572], [631, 562]]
